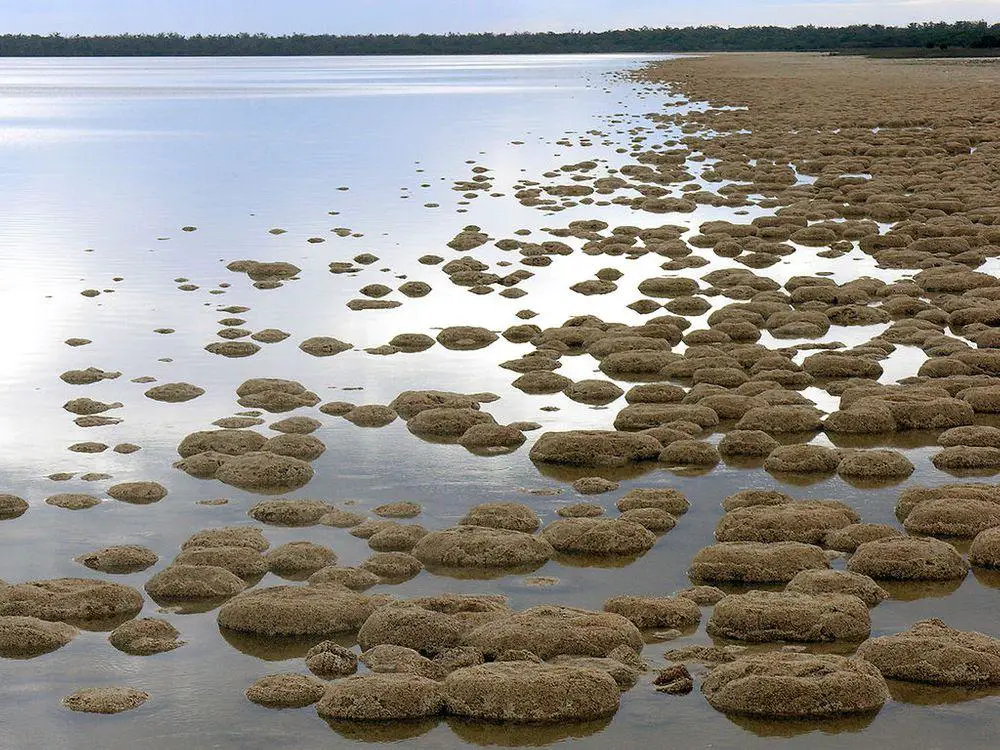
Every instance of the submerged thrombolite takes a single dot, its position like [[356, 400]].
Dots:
[[804, 297]]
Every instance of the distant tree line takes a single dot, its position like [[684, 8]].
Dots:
[[962, 35]]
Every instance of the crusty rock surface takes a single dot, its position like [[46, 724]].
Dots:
[[522, 692], [755, 562], [763, 616], [931, 652], [788, 685]]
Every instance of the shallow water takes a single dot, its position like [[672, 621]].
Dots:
[[103, 162]]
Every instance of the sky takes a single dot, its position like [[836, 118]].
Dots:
[[439, 16]]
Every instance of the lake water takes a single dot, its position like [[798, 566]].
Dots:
[[102, 162]]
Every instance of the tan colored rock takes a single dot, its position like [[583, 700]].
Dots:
[[598, 536], [787, 686], [595, 448], [27, 637], [850, 537], [105, 700], [549, 631], [71, 600], [931, 652], [328, 660], [138, 493], [961, 517], [289, 512], [764, 616], [755, 562], [663, 498], [806, 521], [381, 697], [145, 636], [286, 691], [482, 547], [298, 610], [128, 558], [511, 516], [908, 559], [647, 612], [227, 536], [265, 472], [519, 692], [187, 582], [838, 582]]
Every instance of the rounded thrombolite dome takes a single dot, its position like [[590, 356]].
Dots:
[[492, 438], [749, 498], [390, 658], [299, 557], [875, 464], [595, 448], [71, 600], [656, 520], [445, 423], [511, 516], [465, 338], [481, 547], [787, 685], [138, 493], [523, 692], [264, 472], [11, 506], [911, 497], [430, 625], [371, 415], [753, 443], [647, 612], [174, 392], [690, 453], [298, 610], [763, 616], [294, 445], [611, 537], [805, 521], [550, 630], [409, 404], [381, 696], [296, 425], [328, 659], [183, 582], [961, 517], [594, 485], [286, 691], [227, 536], [662, 498], [145, 636], [985, 549], [105, 700], [289, 512], [802, 459], [227, 442], [26, 637], [128, 558], [356, 579], [838, 582], [933, 653], [755, 562], [399, 509], [908, 559], [848, 538], [245, 562], [393, 567]]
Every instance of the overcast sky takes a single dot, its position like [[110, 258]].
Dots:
[[415, 16]]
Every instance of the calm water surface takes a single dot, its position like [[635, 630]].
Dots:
[[101, 164]]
